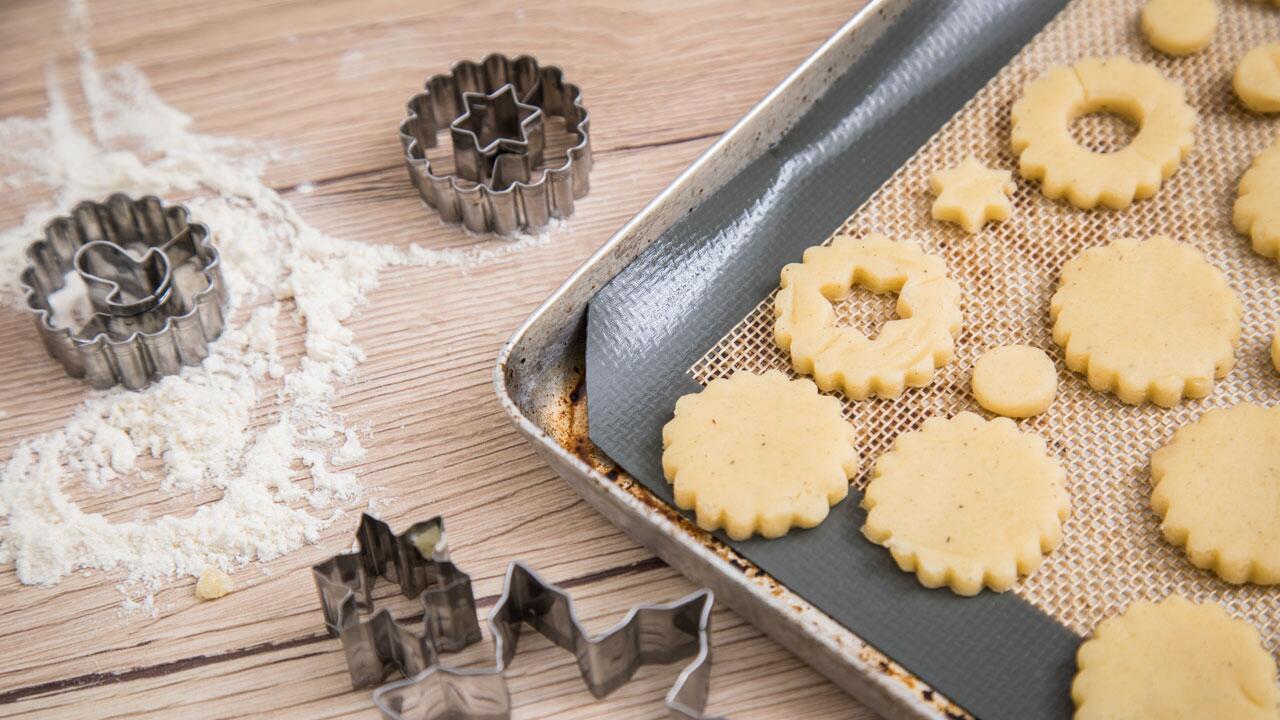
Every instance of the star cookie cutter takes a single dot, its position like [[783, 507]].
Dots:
[[498, 145], [418, 561], [153, 295]]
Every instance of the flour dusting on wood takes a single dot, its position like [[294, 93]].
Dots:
[[279, 486]]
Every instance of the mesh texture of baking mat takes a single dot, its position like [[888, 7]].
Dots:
[[1112, 552]]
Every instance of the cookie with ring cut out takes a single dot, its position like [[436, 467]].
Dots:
[[907, 350], [1047, 152]]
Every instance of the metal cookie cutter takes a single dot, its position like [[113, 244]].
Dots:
[[143, 287], [496, 111], [418, 561]]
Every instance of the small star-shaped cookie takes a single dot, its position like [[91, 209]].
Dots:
[[970, 194]]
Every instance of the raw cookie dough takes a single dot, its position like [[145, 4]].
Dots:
[[1257, 208], [1217, 487], [1179, 27], [213, 584], [1016, 381], [1047, 152], [1257, 79], [758, 453], [906, 351], [971, 194], [1149, 321], [967, 502], [1275, 349], [1174, 660]]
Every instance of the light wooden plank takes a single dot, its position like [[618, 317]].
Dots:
[[543, 679], [325, 82]]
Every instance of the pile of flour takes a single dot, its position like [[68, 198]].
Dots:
[[280, 486]]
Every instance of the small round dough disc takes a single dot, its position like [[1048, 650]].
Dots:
[[758, 454], [1179, 27], [1174, 660], [1257, 79], [1016, 381], [1216, 486], [966, 502]]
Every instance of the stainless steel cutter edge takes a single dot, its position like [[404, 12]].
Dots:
[[523, 205], [519, 604], [537, 367], [380, 645], [136, 360]]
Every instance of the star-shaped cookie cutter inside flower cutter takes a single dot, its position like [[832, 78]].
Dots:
[[499, 140], [150, 297], [511, 203], [418, 560]]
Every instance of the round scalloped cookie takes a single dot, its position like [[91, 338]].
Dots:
[[758, 454], [1257, 79], [1174, 660], [1275, 348], [1257, 209], [1216, 486], [967, 503], [1016, 381], [1179, 27], [1149, 321], [1047, 152], [907, 350]]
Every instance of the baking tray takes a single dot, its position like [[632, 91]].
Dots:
[[864, 101]]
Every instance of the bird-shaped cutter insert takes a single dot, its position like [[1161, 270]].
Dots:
[[150, 297]]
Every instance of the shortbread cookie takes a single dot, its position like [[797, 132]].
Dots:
[[758, 454], [1174, 660], [906, 351], [1016, 381], [967, 502], [1217, 487], [1257, 208], [1149, 321], [971, 194], [1179, 27], [1275, 349], [1047, 152], [1257, 79]]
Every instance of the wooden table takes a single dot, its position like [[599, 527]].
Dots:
[[326, 81]]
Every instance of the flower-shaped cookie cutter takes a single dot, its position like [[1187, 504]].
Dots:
[[418, 561], [495, 111], [125, 291]]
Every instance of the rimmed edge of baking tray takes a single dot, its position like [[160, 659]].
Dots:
[[540, 365]]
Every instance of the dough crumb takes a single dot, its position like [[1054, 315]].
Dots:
[[213, 584], [1016, 381], [1179, 27]]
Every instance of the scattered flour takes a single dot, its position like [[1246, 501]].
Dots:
[[199, 424]]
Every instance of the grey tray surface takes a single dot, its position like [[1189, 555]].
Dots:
[[995, 655]]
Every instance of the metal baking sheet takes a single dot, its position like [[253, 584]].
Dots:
[[696, 260], [995, 655]]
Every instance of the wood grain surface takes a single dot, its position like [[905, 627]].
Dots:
[[325, 82]]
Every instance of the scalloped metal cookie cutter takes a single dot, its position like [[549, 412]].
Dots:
[[497, 187], [153, 287], [418, 560]]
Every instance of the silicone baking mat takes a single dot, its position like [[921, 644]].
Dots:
[[997, 655]]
